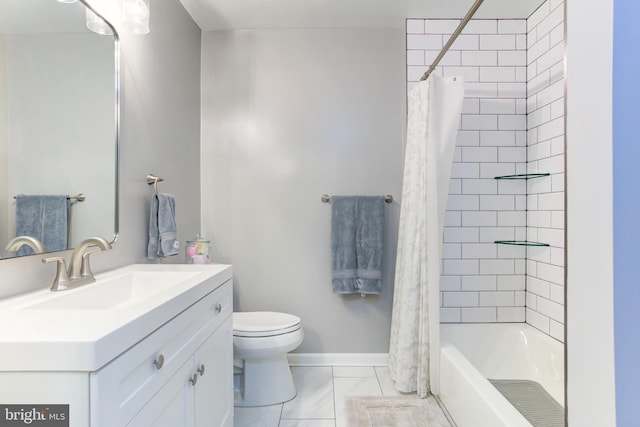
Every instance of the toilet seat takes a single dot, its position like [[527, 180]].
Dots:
[[260, 324]]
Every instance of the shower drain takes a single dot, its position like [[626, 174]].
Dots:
[[532, 401]]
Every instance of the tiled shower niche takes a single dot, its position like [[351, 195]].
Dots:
[[512, 124]]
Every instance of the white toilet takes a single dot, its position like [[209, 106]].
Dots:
[[261, 341]]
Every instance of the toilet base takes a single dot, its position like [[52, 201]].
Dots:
[[265, 382]]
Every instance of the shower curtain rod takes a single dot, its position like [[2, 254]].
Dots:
[[452, 39]]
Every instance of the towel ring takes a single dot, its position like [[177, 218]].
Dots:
[[154, 180]]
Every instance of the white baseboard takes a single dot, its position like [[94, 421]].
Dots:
[[338, 359]]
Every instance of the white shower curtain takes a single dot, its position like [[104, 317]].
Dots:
[[433, 116]]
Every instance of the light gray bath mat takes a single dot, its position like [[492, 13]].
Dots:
[[391, 411], [533, 402]]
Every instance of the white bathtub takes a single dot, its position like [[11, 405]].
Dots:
[[471, 353]]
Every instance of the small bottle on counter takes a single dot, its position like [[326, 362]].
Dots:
[[197, 251]]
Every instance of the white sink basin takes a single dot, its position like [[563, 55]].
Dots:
[[115, 292], [87, 327]]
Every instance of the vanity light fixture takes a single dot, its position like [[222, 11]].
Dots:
[[135, 16], [97, 24]]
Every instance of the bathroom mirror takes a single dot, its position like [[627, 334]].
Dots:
[[58, 118]]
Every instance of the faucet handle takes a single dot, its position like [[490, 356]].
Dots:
[[85, 267], [62, 277]]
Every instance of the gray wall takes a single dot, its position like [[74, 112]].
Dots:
[[287, 116], [160, 131]]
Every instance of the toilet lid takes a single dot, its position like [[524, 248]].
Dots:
[[263, 323]]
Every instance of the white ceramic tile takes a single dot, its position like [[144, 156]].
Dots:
[[491, 234], [479, 186], [463, 267], [465, 170], [551, 21], [479, 219], [479, 250], [415, 26], [452, 219], [479, 122], [460, 299], [481, 90], [470, 106], [461, 235], [498, 42], [465, 42], [511, 252], [263, 416], [480, 58], [498, 106], [386, 383], [512, 154], [512, 219], [480, 154], [537, 286], [315, 394], [307, 423], [512, 90], [538, 49], [497, 203], [552, 57], [491, 170], [551, 309], [516, 58], [537, 320], [497, 266], [450, 315], [353, 372], [451, 251], [463, 203], [352, 387], [556, 330], [479, 283], [551, 201], [497, 299], [511, 186], [511, 314], [512, 26], [551, 273], [482, 26], [450, 283], [453, 57], [479, 315], [441, 26], [424, 41], [415, 57], [511, 283], [470, 74]]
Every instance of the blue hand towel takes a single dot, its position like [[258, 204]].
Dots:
[[45, 218], [357, 230], [163, 235]]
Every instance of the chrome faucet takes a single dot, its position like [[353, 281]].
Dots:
[[32, 242], [79, 272]]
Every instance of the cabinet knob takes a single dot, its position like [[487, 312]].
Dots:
[[194, 379], [201, 370], [159, 362], [218, 308]]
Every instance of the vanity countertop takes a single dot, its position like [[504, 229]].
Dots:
[[85, 328]]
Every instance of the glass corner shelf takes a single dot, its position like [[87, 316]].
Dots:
[[523, 176], [520, 243]]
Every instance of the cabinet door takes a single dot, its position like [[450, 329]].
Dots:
[[214, 389], [172, 406]]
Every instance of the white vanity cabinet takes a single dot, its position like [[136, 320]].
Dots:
[[181, 375], [164, 358]]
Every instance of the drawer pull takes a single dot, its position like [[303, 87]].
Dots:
[[218, 308], [201, 370], [194, 379], [159, 362]]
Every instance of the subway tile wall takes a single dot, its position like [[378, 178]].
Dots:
[[482, 281], [545, 153], [512, 122]]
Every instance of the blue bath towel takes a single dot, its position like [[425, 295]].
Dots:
[[163, 234], [357, 230], [44, 217]]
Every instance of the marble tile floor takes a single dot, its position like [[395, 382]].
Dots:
[[321, 396]]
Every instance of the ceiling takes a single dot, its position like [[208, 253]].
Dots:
[[280, 14]]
